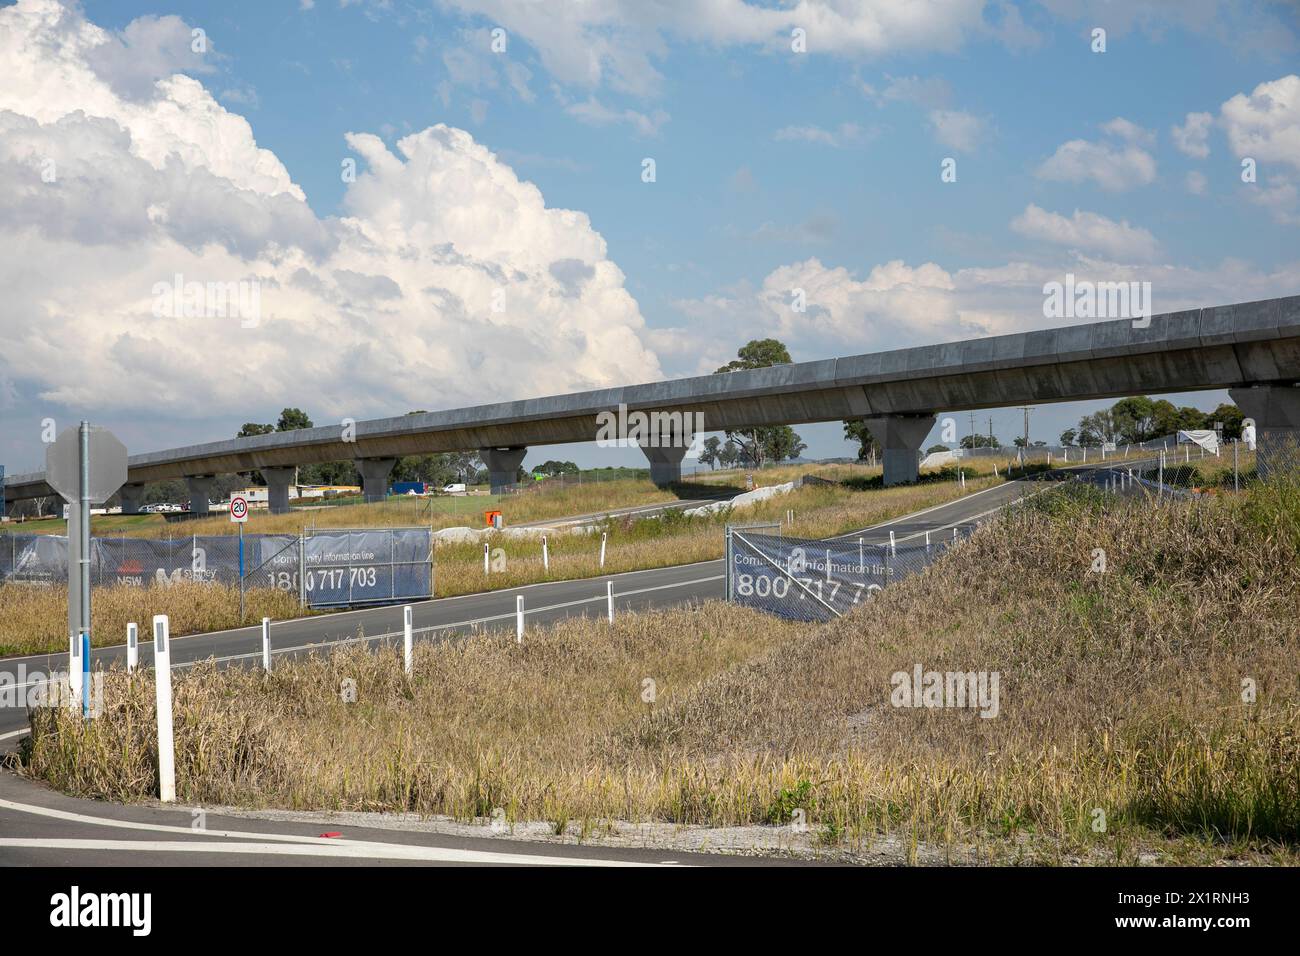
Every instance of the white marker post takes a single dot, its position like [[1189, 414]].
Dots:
[[406, 639], [961, 477], [485, 558], [927, 541], [162, 666], [519, 619], [893, 548], [266, 645], [609, 597], [132, 648], [546, 556], [603, 536]]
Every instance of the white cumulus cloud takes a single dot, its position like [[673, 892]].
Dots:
[[1265, 125], [1114, 167], [1087, 231], [618, 42], [898, 305], [447, 280]]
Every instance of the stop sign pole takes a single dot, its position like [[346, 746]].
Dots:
[[85, 465]]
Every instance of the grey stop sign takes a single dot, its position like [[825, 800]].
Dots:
[[107, 464]]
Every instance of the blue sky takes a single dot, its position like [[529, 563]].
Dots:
[[819, 167]]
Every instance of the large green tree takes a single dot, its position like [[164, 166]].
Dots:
[[1140, 418], [1097, 428], [709, 454], [291, 419], [1231, 417], [858, 431], [1135, 419], [771, 442]]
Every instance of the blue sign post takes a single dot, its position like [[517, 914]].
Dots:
[[85, 674]]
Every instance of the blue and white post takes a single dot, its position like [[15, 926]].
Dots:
[[85, 675]]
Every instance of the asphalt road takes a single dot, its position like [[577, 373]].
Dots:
[[39, 827], [444, 617]]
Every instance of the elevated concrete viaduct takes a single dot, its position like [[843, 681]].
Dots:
[[1251, 348]]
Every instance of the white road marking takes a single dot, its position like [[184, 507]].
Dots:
[[335, 615], [269, 842], [500, 617], [343, 641], [925, 511], [443, 627], [332, 848]]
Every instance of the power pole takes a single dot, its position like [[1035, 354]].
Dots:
[[972, 431], [1026, 409], [1024, 451]]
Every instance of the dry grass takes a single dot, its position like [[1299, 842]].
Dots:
[[33, 620], [1120, 692], [855, 472], [675, 538], [538, 503], [1207, 473]]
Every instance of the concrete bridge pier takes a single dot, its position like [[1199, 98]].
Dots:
[[374, 477], [278, 480], [503, 466], [199, 487], [132, 496], [1276, 411], [900, 438], [665, 463]]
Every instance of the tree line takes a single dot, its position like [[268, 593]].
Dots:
[[1131, 421], [440, 469]]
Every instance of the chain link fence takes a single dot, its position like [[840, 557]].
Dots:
[[810, 579]]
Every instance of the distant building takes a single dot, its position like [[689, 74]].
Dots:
[[258, 494]]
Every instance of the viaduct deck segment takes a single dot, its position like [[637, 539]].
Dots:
[[1251, 348]]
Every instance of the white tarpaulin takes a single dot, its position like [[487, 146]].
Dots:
[[1205, 437], [937, 458]]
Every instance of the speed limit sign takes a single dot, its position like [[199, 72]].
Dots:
[[238, 509]]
